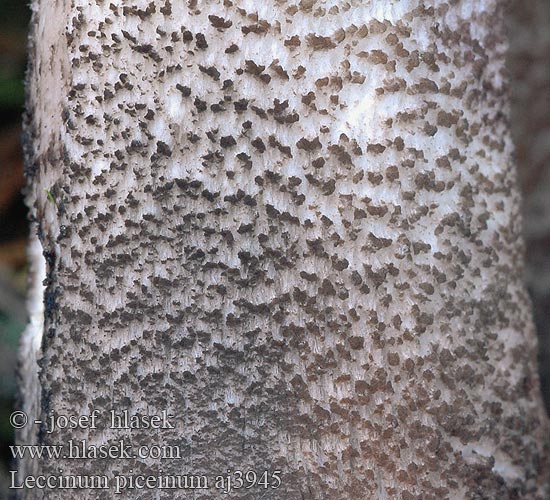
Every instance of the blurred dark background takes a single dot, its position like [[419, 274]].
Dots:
[[529, 64], [14, 17]]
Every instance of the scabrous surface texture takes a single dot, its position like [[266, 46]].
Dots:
[[295, 226]]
